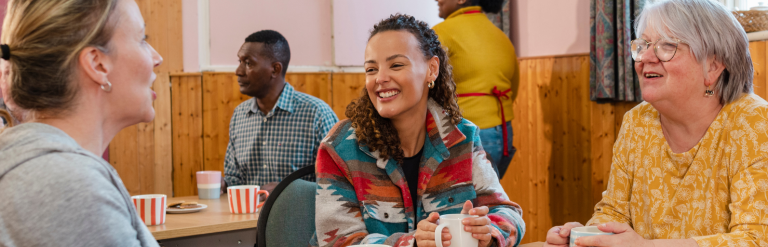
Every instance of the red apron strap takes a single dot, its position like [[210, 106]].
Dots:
[[499, 95]]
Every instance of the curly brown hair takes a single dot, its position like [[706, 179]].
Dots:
[[378, 133]]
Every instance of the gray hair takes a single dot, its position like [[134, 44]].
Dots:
[[710, 30]]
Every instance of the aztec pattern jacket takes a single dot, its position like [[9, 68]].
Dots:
[[362, 199]]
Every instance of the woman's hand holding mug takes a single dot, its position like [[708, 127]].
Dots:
[[425, 232], [479, 226], [558, 236]]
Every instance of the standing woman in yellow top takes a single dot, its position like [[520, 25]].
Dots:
[[485, 71], [689, 164]]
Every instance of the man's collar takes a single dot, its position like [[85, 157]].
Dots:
[[284, 102]]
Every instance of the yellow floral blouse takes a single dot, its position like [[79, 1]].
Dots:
[[715, 193]]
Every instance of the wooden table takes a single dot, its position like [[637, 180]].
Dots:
[[534, 244], [211, 225], [214, 226]]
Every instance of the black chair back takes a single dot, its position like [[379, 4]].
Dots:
[[301, 222]]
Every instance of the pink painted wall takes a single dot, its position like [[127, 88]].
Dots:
[[353, 20], [550, 27], [189, 19], [539, 28], [306, 24]]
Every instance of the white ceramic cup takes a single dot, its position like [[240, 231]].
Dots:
[[244, 199], [459, 237], [151, 208], [584, 231]]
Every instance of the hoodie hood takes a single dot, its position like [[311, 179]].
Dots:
[[28, 141]]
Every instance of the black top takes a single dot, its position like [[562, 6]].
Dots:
[[411, 170]]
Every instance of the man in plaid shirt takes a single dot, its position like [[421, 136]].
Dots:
[[278, 131]]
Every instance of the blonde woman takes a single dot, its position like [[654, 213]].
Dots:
[[80, 70]]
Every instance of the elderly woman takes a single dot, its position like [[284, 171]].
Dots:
[[405, 155], [689, 164], [80, 71]]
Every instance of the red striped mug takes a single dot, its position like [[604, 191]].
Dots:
[[151, 208], [244, 199]]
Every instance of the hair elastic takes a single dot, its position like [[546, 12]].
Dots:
[[6, 52]]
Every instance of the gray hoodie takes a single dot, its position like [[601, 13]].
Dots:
[[55, 193]]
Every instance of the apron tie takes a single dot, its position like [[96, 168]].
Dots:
[[499, 95]]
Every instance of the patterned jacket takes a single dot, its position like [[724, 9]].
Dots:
[[363, 199]]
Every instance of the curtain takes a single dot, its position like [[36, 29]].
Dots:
[[613, 76], [501, 20]]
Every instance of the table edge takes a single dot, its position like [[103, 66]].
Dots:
[[200, 230]]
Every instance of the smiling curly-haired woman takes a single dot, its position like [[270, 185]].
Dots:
[[406, 155]]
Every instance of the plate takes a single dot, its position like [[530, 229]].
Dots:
[[185, 210]]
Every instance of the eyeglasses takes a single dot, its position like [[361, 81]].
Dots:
[[664, 49]]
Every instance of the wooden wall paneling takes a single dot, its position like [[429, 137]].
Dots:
[[574, 73], [602, 138], [554, 99], [221, 95], [553, 127], [187, 129], [315, 84], [346, 87], [757, 51], [146, 159], [534, 144], [163, 155], [124, 155], [164, 25], [619, 109], [541, 78], [520, 185]]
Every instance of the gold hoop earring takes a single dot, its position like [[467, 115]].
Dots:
[[108, 87], [709, 92], [431, 84]]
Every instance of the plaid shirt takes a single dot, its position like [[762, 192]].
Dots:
[[264, 149]]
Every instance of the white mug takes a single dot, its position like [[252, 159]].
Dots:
[[584, 231], [459, 237]]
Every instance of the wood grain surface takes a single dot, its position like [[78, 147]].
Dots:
[[215, 218], [163, 136], [221, 95], [534, 244], [187, 128], [346, 87]]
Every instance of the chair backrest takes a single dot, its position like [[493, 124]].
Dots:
[[288, 216]]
